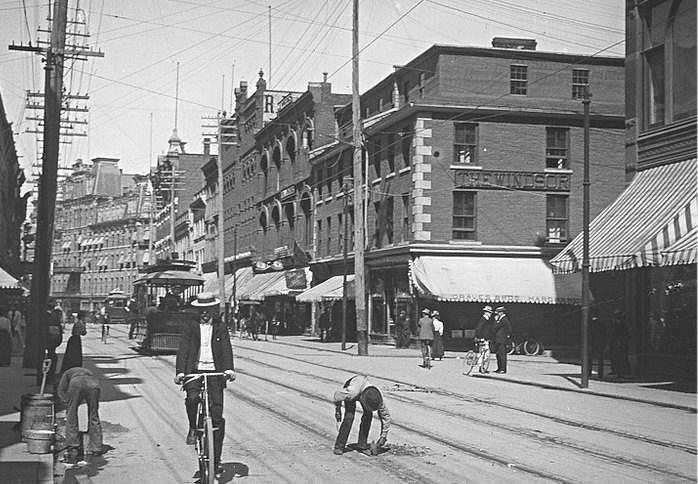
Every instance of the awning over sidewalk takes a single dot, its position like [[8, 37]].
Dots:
[[254, 289], [683, 251], [329, 290], [281, 288], [8, 282], [493, 280], [657, 209]]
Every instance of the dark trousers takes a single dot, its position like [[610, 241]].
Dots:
[[215, 400], [83, 389], [348, 420], [596, 354], [51, 353], [501, 351]]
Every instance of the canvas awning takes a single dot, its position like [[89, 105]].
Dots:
[[683, 251], [172, 278], [8, 282], [657, 209], [493, 280], [280, 287], [329, 290], [253, 290]]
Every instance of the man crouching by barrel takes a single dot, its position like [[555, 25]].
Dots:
[[358, 388], [79, 385]]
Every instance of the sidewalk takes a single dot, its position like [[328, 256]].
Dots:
[[17, 465], [540, 371]]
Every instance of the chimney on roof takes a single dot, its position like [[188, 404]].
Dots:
[[207, 147], [514, 43]]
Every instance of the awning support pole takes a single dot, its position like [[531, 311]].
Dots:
[[586, 370]]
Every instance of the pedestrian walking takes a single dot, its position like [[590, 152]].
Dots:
[[72, 357], [205, 347], [16, 322], [255, 322], [502, 335], [425, 329], [438, 345], [325, 324], [404, 333], [597, 343], [620, 337], [359, 389], [5, 339], [483, 334], [78, 385]]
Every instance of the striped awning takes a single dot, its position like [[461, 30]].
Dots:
[[330, 290], [253, 290], [683, 251], [657, 209], [8, 282]]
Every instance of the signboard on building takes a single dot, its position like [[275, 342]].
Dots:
[[295, 279], [513, 180]]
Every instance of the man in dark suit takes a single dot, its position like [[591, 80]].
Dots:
[[205, 347], [483, 333], [502, 333]]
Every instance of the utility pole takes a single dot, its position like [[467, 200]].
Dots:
[[345, 250], [37, 327], [359, 267], [585, 247]]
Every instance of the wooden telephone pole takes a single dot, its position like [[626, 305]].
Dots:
[[37, 327], [359, 266]]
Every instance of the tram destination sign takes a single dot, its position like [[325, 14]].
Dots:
[[513, 180]]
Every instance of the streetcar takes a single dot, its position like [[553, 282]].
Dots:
[[117, 307], [163, 293]]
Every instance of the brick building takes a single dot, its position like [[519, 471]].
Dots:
[[642, 247], [474, 181], [101, 233]]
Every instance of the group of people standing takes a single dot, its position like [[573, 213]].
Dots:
[[494, 329]]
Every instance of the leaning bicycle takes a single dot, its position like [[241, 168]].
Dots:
[[481, 358], [205, 429]]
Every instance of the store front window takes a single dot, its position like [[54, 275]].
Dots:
[[389, 295]]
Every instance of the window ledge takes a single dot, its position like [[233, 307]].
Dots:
[[376, 181], [557, 170], [319, 202], [466, 166], [329, 199], [405, 170], [390, 175]]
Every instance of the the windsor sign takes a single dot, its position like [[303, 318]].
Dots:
[[513, 180]]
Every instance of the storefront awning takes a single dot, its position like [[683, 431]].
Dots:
[[493, 280], [329, 290], [683, 251], [654, 211], [253, 290], [280, 287], [8, 282]]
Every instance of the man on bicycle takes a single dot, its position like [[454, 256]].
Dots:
[[205, 347], [483, 333]]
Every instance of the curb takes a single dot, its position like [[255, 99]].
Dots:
[[589, 392]]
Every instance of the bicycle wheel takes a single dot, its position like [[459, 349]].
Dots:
[[485, 365], [531, 347], [511, 347], [211, 464], [469, 362]]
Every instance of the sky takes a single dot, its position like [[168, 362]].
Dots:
[[136, 96]]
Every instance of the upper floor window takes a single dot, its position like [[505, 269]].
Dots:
[[464, 211], [406, 91], [391, 152], [407, 146], [422, 76], [556, 219], [670, 60], [376, 155], [319, 181], [580, 82], [519, 79], [465, 145], [557, 148]]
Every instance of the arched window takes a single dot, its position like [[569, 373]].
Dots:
[[263, 227], [683, 60], [276, 157], [276, 219], [307, 220], [291, 146], [264, 166]]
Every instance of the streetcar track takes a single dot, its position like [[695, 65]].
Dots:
[[470, 399], [546, 439]]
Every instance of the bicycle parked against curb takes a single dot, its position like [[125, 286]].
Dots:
[[205, 429], [480, 358]]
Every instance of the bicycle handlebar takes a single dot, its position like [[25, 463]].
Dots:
[[193, 376]]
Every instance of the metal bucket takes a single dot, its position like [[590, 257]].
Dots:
[[39, 441], [36, 413]]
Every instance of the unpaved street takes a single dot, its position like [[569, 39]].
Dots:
[[446, 427]]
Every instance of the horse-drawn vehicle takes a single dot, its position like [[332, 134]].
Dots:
[[162, 296]]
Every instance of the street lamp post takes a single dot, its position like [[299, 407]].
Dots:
[[586, 370]]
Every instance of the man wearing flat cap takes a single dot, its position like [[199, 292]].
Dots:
[[205, 347], [358, 388], [502, 333]]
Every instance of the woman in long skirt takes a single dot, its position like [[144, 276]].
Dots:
[[438, 348], [5, 339], [73, 350]]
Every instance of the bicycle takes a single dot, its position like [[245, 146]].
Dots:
[[205, 429], [480, 358], [530, 346], [105, 332]]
